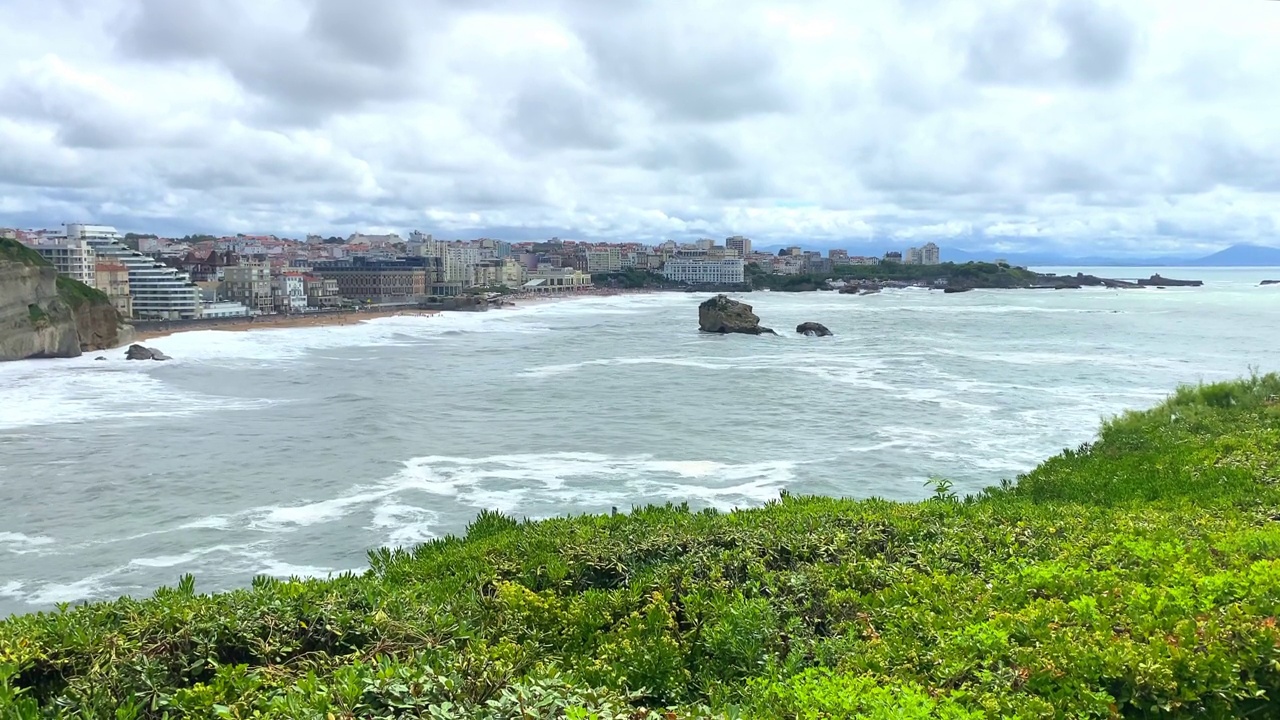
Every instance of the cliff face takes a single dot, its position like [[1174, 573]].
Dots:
[[44, 316]]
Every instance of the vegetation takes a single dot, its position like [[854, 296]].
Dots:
[[39, 318], [15, 251], [634, 279], [970, 274], [76, 293], [1137, 576]]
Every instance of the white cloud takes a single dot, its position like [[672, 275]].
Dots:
[[1075, 126]]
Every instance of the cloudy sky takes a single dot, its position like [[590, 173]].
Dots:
[[1077, 126]]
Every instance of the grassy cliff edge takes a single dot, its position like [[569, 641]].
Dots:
[[1136, 576]]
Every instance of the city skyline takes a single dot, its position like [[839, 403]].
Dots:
[[1065, 128]]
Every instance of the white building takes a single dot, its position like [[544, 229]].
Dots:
[[158, 292], [290, 292], [729, 271], [224, 310], [913, 257], [460, 260], [73, 258], [739, 244], [930, 255], [606, 259]]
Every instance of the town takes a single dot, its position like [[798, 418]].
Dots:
[[149, 277]]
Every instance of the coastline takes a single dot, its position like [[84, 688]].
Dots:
[[355, 317]]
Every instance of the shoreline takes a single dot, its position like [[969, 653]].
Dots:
[[355, 317]]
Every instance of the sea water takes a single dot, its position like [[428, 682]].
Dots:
[[292, 452]]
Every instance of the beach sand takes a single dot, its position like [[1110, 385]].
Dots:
[[279, 322], [329, 319]]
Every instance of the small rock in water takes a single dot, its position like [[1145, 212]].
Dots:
[[813, 329], [138, 352]]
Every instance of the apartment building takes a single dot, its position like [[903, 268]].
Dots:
[[930, 255], [321, 292], [157, 291], [74, 258], [696, 271], [250, 285], [112, 278], [739, 244], [289, 292], [604, 259]]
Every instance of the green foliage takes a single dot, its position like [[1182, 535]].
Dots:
[[39, 318], [76, 293], [1138, 576], [14, 251], [970, 274], [633, 279]]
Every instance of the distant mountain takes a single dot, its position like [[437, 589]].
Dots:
[[1242, 256]]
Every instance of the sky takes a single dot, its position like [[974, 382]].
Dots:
[[1083, 127]]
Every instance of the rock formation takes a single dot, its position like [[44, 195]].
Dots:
[[1158, 281], [813, 329], [723, 315], [138, 352], [46, 316], [1271, 282]]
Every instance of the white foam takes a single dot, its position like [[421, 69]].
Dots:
[[405, 524]]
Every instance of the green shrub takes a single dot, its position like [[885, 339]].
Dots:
[[1136, 576]]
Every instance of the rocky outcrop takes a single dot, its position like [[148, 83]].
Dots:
[[813, 329], [34, 321], [722, 315], [138, 352], [1158, 281], [1271, 282], [45, 316], [98, 327]]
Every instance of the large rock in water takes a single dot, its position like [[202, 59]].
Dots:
[[138, 352], [723, 315], [813, 329]]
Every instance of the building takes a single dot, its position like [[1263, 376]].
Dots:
[[930, 255], [377, 280], [112, 278], [289, 292], [250, 285], [604, 259], [224, 309], [739, 244], [893, 256], [73, 258], [156, 291], [914, 257], [321, 292], [838, 257], [459, 261], [553, 279], [692, 271]]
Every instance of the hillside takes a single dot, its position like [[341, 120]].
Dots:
[[45, 315], [1243, 256], [1137, 576]]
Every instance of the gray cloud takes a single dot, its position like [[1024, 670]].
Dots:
[[1077, 123], [1033, 42]]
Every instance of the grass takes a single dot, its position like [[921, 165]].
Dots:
[[75, 293], [15, 251], [1138, 576]]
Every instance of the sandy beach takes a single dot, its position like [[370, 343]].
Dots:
[[278, 322], [353, 317]]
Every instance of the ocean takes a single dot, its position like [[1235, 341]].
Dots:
[[293, 452]]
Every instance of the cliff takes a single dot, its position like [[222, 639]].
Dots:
[[43, 315]]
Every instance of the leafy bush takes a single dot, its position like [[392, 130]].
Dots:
[[1137, 576]]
